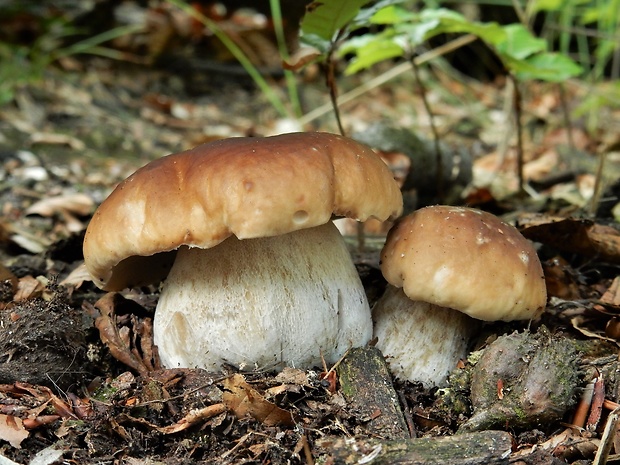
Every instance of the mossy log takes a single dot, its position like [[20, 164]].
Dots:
[[483, 448], [366, 384]]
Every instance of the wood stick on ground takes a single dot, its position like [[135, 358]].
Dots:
[[607, 439], [367, 385], [482, 448]]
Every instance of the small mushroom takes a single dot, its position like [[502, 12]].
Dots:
[[447, 268], [257, 274]]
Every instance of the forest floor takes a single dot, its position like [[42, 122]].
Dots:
[[80, 377]]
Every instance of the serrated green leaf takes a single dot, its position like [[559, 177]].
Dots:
[[326, 17]]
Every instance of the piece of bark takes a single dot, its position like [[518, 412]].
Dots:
[[367, 386], [483, 448]]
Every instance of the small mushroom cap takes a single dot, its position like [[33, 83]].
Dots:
[[467, 260], [247, 187]]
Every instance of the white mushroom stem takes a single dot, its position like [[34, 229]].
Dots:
[[421, 341], [262, 303]]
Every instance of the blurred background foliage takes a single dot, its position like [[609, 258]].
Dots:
[[535, 39]]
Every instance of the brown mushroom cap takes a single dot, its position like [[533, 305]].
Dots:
[[467, 260], [247, 187]]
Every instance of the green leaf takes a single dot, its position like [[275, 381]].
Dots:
[[363, 18], [392, 14], [551, 67], [546, 5], [374, 51], [416, 33], [325, 18], [453, 22], [520, 43], [313, 40]]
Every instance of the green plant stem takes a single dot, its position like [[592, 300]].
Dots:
[[91, 44], [518, 111], [330, 79], [289, 76], [243, 60], [566, 116], [598, 183], [431, 117], [387, 76]]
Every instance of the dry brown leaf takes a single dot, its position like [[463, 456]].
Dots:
[[56, 139], [28, 241], [258, 449], [301, 58], [117, 340], [77, 277], [244, 400], [80, 204], [193, 417], [573, 235], [612, 294], [561, 279], [7, 275], [32, 423], [41, 394], [577, 323], [12, 430], [28, 288], [66, 206], [290, 375]]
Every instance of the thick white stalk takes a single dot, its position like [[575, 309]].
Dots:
[[262, 303], [422, 342]]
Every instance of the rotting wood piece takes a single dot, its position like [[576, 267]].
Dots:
[[367, 386], [483, 448]]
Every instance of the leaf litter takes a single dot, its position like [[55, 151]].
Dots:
[[80, 375]]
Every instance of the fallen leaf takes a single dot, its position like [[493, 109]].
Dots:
[[301, 58], [77, 277], [577, 323], [244, 400], [193, 417], [28, 288], [80, 204], [612, 294], [12, 430], [581, 236], [291, 375], [66, 206], [117, 339], [56, 139]]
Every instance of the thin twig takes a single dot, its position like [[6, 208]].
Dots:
[[407, 414], [607, 439]]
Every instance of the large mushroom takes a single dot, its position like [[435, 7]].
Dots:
[[256, 274], [447, 268]]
